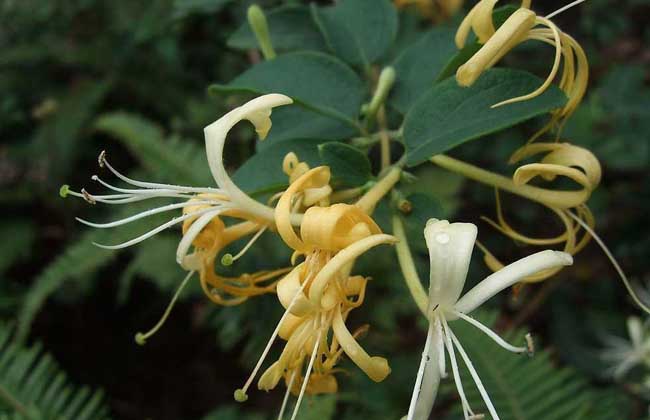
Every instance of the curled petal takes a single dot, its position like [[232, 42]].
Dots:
[[287, 289], [375, 367], [334, 227], [314, 178], [482, 20], [258, 112], [341, 260]]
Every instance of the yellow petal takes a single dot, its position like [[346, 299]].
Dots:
[[375, 367]]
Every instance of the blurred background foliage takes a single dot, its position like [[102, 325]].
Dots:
[[130, 77]]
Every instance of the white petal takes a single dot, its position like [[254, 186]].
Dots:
[[450, 251], [258, 112], [426, 387], [509, 275]]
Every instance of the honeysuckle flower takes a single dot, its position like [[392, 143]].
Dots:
[[624, 355], [204, 233], [319, 293], [560, 160], [435, 10], [523, 25], [450, 250]]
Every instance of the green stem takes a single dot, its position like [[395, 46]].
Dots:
[[379, 190], [551, 198], [407, 265]]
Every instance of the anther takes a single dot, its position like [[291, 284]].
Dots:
[[101, 159], [530, 345], [89, 198]]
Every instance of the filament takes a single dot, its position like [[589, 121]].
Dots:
[[228, 259], [286, 395], [494, 336], [154, 231], [611, 257], [467, 411], [141, 338], [240, 394], [564, 8], [306, 378], [143, 214], [477, 379], [417, 389]]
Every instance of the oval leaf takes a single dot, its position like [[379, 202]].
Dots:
[[358, 31], [449, 115], [318, 81], [349, 166]]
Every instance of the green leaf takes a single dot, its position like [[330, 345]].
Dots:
[[449, 115], [523, 388], [290, 27], [358, 31], [269, 163], [172, 159], [423, 207], [318, 407], [296, 122], [318, 81], [185, 8], [419, 66], [350, 167], [233, 412]]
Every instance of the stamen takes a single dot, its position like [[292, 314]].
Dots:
[[64, 190], [143, 214], [228, 259], [611, 257], [467, 411], [564, 8], [240, 394], [305, 380], [286, 395], [180, 188], [494, 336], [477, 379], [146, 191], [154, 231], [141, 338], [417, 389]]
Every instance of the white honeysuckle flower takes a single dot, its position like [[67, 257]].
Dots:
[[624, 355], [209, 202], [450, 249]]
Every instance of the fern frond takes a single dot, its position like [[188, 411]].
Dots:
[[168, 159], [524, 388], [32, 386]]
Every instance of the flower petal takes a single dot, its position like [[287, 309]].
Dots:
[[509, 275]]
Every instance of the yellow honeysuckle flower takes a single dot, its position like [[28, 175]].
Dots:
[[521, 26], [203, 209], [319, 293], [560, 160], [436, 10]]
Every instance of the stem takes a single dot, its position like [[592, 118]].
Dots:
[[13, 402], [383, 138], [407, 265], [370, 199], [343, 195], [559, 199], [384, 84]]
